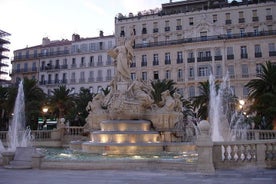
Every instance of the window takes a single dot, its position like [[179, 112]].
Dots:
[[229, 33], [155, 75], [218, 71], [167, 25], [50, 79], [230, 52], [227, 18], [122, 34], [167, 58], [91, 61], [245, 91], [191, 72], [215, 18], [203, 35], [144, 76], [256, 30], [144, 60], [108, 75], [191, 21], [258, 52], [178, 24], [144, 29], [231, 71], [168, 74], [82, 62], [100, 60], [218, 55], [155, 59], [203, 71], [73, 62], [25, 67], [268, 14], [155, 27], [271, 47], [73, 77], [244, 70], [242, 32], [179, 57], [259, 69], [180, 75], [91, 76], [82, 76], [243, 52], [100, 76], [255, 16], [190, 58], [241, 17], [34, 66], [191, 91], [133, 76]]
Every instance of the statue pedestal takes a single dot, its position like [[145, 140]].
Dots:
[[122, 86]]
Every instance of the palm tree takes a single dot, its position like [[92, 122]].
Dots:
[[161, 86], [62, 100], [262, 92], [201, 102], [78, 114], [34, 98]]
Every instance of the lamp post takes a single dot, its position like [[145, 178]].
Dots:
[[44, 110]]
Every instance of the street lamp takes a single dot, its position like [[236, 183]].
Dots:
[[241, 102], [44, 110]]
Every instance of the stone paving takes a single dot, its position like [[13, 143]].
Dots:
[[35, 176]]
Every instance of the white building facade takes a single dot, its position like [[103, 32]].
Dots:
[[81, 62], [186, 41]]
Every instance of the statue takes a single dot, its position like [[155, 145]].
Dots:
[[123, 55], [140, 91]]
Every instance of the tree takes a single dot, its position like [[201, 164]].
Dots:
[[34, 98], [78, 114], [201, 102], [161, 86], [62, 101], [262, 93]]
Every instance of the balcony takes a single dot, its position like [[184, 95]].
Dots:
[[258, 54], [132, 65], [81, 80], [179, 60], [272, 53], [155, 62], [218, 58], [227, 22], [190, 60], [203, 59], [269, 17], [91, 79], [178, 27], [255, 19], [144, 63], [167, 29], [155, 30], [208, 38], [41, 55], [230, 57], [167, 61], [244, 56], [73, 81], [99, 79], [241, 20]]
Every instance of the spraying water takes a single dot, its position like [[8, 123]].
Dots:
[[18, 136]]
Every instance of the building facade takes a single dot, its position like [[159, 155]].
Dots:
[[80, 62], [186, 41], [4, 62]]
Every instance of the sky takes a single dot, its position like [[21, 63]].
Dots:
[[28, 21]]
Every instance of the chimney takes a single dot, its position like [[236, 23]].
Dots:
[[101, 33], [75, 37], [45, 41]]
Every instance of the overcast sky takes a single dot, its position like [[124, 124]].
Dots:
[[30, 20]]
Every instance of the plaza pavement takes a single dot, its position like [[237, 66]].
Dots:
[[35, 176]]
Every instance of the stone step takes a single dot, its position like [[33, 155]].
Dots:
[[126, 136], [125, 125], [19, 164], [122, 148]]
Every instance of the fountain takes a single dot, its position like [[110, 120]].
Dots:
[[226, 124], [18, 136], [127, 121]]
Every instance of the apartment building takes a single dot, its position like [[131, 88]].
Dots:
[[4, 62], [186, 41], [76, 63]]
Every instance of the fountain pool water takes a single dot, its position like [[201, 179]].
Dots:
[[18, 136]]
